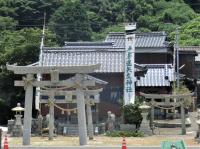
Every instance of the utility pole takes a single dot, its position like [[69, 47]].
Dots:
[[43, 37], [177, 57], [174, 66], [39, 77]]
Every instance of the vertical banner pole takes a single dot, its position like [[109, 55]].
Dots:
[[129, 70]]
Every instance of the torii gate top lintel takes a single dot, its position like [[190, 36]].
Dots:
[[84, 69], [163, 96]]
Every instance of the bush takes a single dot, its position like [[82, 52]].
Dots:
[[125, 134], [132, 114]]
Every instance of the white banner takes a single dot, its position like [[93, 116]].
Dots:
[[129, 73]]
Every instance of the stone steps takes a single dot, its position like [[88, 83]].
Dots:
[[71, 130]]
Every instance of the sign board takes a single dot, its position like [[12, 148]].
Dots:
[[129, 75]]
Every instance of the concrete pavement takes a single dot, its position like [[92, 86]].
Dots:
[[102, 147]]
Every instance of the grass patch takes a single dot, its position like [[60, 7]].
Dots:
[[124, 134]]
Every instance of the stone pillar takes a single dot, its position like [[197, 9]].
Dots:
[[152, 117], [97, 114], [28, 110], [81, 116], [183, 119], [90, 122], [51, 121], [40, 119]]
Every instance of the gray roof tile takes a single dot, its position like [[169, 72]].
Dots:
[[143, 40], [110, 61], [157, 75], [190, 48]]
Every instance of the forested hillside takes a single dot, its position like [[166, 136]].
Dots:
[[21, 24]]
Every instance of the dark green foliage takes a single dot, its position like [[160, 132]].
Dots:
[[125, 134], [20, 47], [7, 23], [29, 13], [195, 4], [189, 33], [70, 23], [132, 114]]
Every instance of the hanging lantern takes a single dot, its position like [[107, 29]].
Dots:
[[63, 112], [75, 111]]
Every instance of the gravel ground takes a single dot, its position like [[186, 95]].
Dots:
[[102, 141]]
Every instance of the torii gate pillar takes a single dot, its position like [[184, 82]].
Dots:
[[28, 110], [183, 127], [81, 112], [90, 123]]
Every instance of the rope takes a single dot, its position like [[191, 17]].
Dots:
[[62, 109], [166, 108]]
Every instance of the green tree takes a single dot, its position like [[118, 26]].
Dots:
[[70, 23], [101, 35], [7, 23], [21, 47], [189, 33], [29, 12]]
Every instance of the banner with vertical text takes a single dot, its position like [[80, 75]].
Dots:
[[129, 76]]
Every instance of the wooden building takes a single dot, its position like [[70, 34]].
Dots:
[[153, 55], [190, 58]]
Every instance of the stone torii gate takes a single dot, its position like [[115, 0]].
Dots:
[[51, 93], [79, 82], [178, 101]]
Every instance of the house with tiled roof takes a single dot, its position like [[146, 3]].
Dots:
[[190, 58], [153, 68]]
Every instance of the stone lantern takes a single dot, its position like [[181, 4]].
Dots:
[[144, 127], [17, 129]]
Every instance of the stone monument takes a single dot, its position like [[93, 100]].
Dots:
[[40, 122], [110, 121]]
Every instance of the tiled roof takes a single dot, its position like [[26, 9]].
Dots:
[[143, 40], [190, 48], [88, 44], [111, 61], [157, 75]]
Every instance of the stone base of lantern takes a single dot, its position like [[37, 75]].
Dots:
[[17, 131], [144, 128]]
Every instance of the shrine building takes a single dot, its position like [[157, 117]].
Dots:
[[153, 67]]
